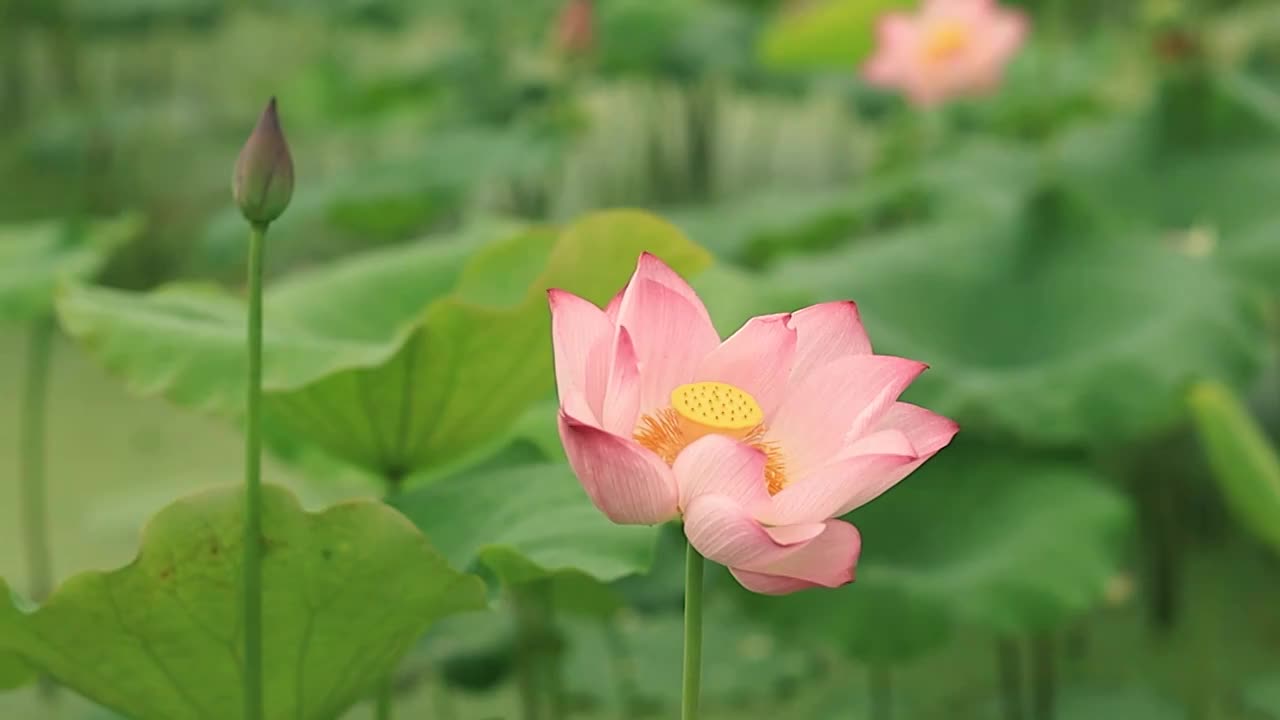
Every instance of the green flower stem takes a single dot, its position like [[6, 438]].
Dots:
[[692, 634], [622, 665], [1044, 676], [31, 459], [528, 652], [442, 700], [382, 704], [553, 659], [253, 708], [383, 701], [881, 681], [35, 509], [1009, 664]]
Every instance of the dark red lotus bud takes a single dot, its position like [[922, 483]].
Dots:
[[263, 183]]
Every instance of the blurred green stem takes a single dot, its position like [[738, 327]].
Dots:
[[881, 681], [252, 583], [31, 458], [623, 667], [1076, 642], [1009, 663], [1043, 676], [383, 701], [701, 115], [528, 650], [555, 670], [382, 704], [1161, 530], [13, 77], [64, 38], [442, 700], [692, 687], [35, 510]]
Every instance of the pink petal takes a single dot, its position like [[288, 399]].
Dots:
[[836, 488], [886, 441], [896, 37], [615, 303], [671, 336], [795, 534], [723, 531], [758, 358], [927, 431], [629, 484], [723, 466], [867, 468], [835, 405], [580, 338], [622, 394], [651, 267], [827, 332], [827, 560], [770, 584]]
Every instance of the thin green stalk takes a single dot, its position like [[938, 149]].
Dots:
[[31, 459], [622, 667], [554, 660], [1009, 663], [13, 73], [442, 700], [1043, 676], [252, 597], [692, 634], [881, 680], [382, 704], [528, 653], [35, 510], [384, 700]]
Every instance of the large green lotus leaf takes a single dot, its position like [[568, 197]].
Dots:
[[1243, 460], [525, 522], [826, 35], [398, 362], [975, 537], [187, 343], [481, 355], [980, 178], [1057, 338], [1213, 202], [345, 593], [35, 258], [538, 427], [14, 672]]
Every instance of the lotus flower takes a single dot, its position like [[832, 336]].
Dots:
[[575, 27], [949, 48], [758, 441]]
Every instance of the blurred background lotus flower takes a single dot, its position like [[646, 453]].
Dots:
[[758, 441], [575, 28], [949, 48]]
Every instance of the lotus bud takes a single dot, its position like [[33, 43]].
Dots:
[[263, 182]]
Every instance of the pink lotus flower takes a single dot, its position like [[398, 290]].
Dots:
[[757, 441], [575, 27], [949, 48]]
